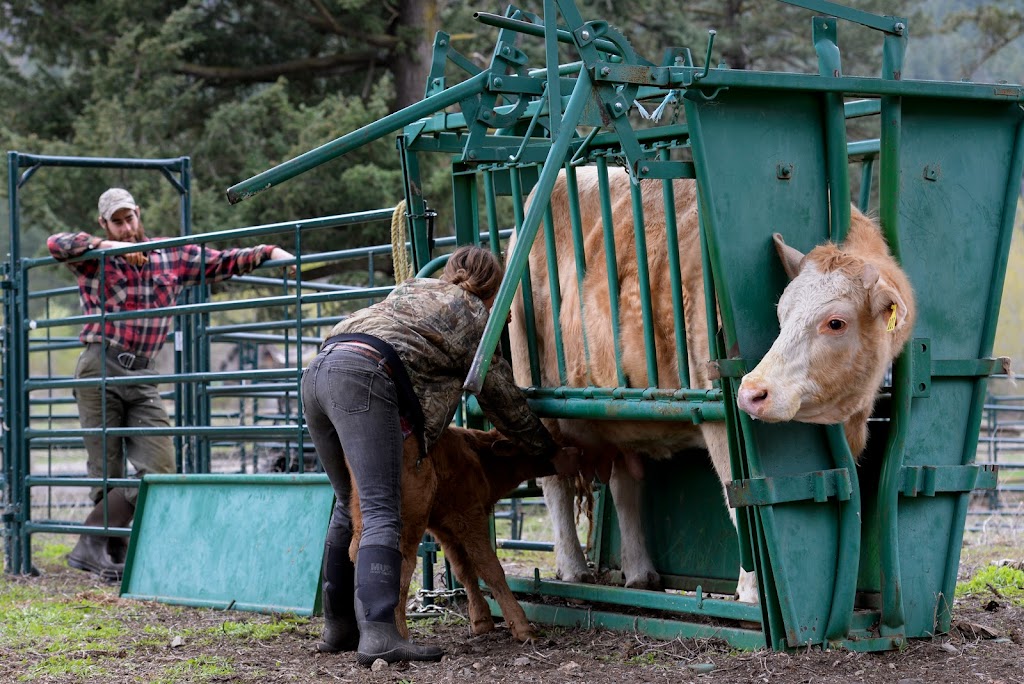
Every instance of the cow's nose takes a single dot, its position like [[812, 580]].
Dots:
[[753, 398]]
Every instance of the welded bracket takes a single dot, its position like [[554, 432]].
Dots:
[[817, 486]]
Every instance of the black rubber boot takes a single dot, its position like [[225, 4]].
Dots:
[[378, 569], [341, 633], [91, 552]]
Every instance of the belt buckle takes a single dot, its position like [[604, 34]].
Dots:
[[126, 359]]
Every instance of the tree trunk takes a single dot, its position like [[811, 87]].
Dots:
[[412, 64]]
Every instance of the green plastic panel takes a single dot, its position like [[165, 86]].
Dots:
[[240, 542], [761, 164], [956, 159]]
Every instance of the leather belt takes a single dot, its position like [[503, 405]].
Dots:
[[367, 351], [128, 360]]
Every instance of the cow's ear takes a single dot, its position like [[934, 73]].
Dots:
[[884, 297], [792, 259]]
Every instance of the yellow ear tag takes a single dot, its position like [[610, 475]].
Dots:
[[892, 320]]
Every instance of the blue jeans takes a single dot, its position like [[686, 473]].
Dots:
[[352, 412]]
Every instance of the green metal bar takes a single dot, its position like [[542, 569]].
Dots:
[[235, 431], [32, 160], [57, 481], [694, 412], [743, 639], [518, 259], [208, 376], [844, 590], [859, 108], [893, 619], [242, 234], [651, 600], [17, 548], [554, 95], [529, 310], [780, 581], [643, 277], [866, 173], [675, 277], [467, 218], [682, 77], [491, 210], [525, 27], [367, 134], [834, 120], [894, 25], [610, 264]]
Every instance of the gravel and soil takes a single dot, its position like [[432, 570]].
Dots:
[[65, 626]]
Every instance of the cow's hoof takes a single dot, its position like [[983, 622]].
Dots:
[[584, 577], [648, 580], [483, 626], [524, 635]]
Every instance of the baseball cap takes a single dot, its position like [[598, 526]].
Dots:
[[114, 199]]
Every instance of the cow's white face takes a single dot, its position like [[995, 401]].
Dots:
[[813, 369], [833, 347]]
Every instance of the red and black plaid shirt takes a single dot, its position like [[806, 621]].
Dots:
[[153, 285]]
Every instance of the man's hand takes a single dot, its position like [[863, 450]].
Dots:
[[279, 253], [133, 258]]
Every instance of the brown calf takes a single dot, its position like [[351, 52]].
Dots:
[[451, 494]]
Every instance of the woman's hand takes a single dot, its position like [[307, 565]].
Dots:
[[567, 460]]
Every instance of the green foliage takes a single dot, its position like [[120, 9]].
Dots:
[[1008, 581], [241, 86]]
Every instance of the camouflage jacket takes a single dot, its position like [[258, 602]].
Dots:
[[435, 328]]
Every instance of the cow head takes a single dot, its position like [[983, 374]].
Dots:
[[844, 316]]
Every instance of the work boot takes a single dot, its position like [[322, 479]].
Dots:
[[341, 633], [90, 553], [378, 569]]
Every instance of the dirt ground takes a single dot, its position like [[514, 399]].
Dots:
[[988, 647]]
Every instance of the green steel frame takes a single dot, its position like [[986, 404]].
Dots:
[[820, 530], [861, 556]]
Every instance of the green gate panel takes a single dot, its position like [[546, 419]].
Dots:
[[959, 173], [761, 166], [243, 542]]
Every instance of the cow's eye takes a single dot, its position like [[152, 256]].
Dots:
[[836, 324]]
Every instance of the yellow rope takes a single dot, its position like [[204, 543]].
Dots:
[[399, 255]]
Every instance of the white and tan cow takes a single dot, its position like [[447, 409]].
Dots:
[[825, 367]]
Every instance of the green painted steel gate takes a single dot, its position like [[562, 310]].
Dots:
[[859, 556]]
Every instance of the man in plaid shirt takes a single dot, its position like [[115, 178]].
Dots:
[[127, 347]]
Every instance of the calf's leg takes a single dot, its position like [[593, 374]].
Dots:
[[462, 565], [478, 547]]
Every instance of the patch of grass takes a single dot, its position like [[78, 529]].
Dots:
[[1009, 582], [257, 631], [61, 666], [50, 554], [29, 617], [645, 658], [200, 669]]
